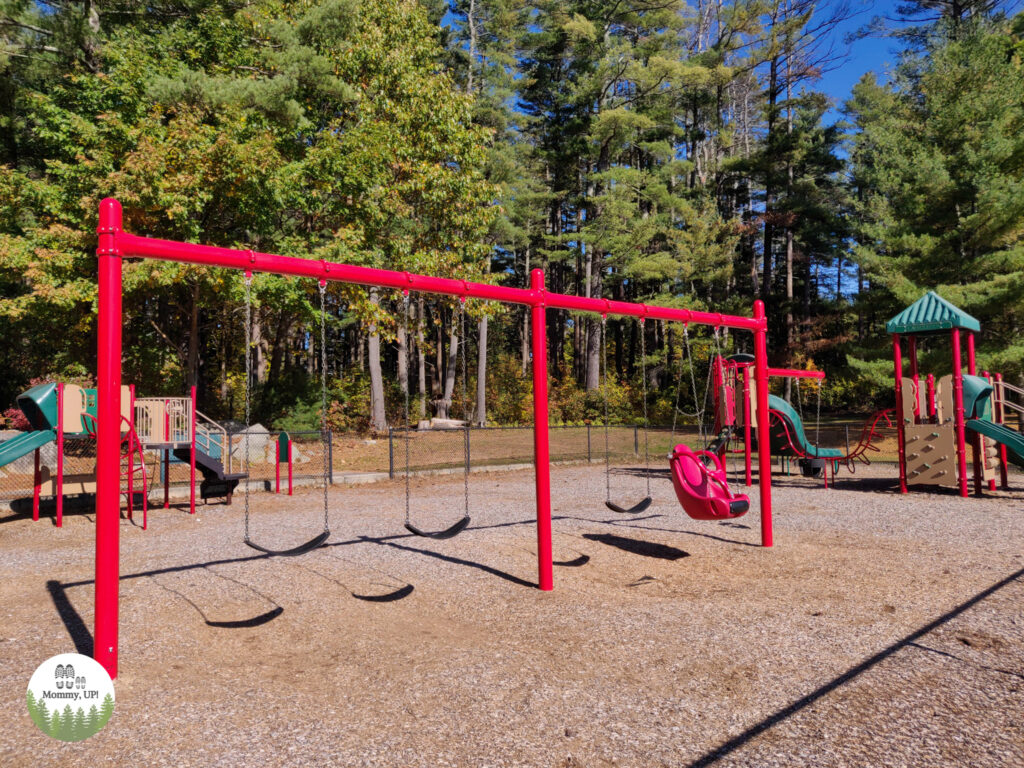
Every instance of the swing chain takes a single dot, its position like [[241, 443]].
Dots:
[[643, 376], [465, 404], [604, 388], [324, 435], [405, 306], [247, 388]]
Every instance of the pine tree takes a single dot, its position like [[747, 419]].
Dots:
[[92, 721], [78, 730], [55, 724], [106, 710], [67, 724]]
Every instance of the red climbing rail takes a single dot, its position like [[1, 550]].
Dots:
[[116, 244]]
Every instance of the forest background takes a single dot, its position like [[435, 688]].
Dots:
[[644, 150]]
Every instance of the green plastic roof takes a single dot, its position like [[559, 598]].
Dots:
[[931, 313]]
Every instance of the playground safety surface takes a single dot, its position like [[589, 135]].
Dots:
[[881, 630]]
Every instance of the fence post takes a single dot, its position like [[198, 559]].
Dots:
[[330, 457], [391, 453]]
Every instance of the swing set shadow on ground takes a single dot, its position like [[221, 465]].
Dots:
[[83, 641]]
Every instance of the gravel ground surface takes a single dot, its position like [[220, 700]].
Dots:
[[881, 630]]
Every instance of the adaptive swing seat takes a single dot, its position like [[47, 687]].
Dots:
[[703, 490]]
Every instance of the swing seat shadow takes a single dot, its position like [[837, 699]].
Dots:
[[638, 546]]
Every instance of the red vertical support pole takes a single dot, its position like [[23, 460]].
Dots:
[[37, 482], [901, 437], [131, 445], [976, 457], [289, 466], [958, 412], [192, 457], [912, 345], [277, 465], [60, 455], [931, 396], [995, 418], [541, 455], [108, 437], [746, 424], [764, 443], [1000, 416]]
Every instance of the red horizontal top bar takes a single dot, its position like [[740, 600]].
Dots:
[[796, 373], [129, 245]]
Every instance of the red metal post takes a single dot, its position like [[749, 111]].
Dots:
[[912, 349], [60, 454], [1000, 416], [976, 457], [931, 396], [192, 456], [746, 424], [290, 466], [541, 455], [277, 465], [995, 417], [108, 437], [958, 412], [37, 481], [901, 437], [763, 439]]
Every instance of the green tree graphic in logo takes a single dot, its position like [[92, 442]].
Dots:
[[70, 701]]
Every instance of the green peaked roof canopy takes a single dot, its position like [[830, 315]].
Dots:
[[929, 314]]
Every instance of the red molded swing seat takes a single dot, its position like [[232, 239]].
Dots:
[[703, 490]]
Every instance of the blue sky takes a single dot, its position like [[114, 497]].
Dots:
[[865, 55]]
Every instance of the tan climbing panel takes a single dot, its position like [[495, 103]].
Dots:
[[931, 456]]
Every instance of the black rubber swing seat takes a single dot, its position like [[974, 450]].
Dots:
[[302, 549], [255, 621], [447, 533], [636, 509]]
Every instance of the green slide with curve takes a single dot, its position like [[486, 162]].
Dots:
[[25, 443], [795, 428], [1011, 438]]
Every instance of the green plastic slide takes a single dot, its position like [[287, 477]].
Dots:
[[1011, 438], [26, 442], [795, 426]]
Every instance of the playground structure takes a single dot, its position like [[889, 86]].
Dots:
[[116, 244], [932, 431], [787, 434], [153, 428]]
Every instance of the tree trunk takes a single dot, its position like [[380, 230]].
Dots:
[[421, 360], [481, 375], [378, 416], [403, 361], [192, 372], [594, 350], [444, 407], [525, 349]]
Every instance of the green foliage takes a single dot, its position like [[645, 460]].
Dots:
[[939, 171]]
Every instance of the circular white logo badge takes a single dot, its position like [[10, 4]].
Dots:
[[70, 697]]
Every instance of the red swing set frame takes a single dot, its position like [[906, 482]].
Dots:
[[115, 245]]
